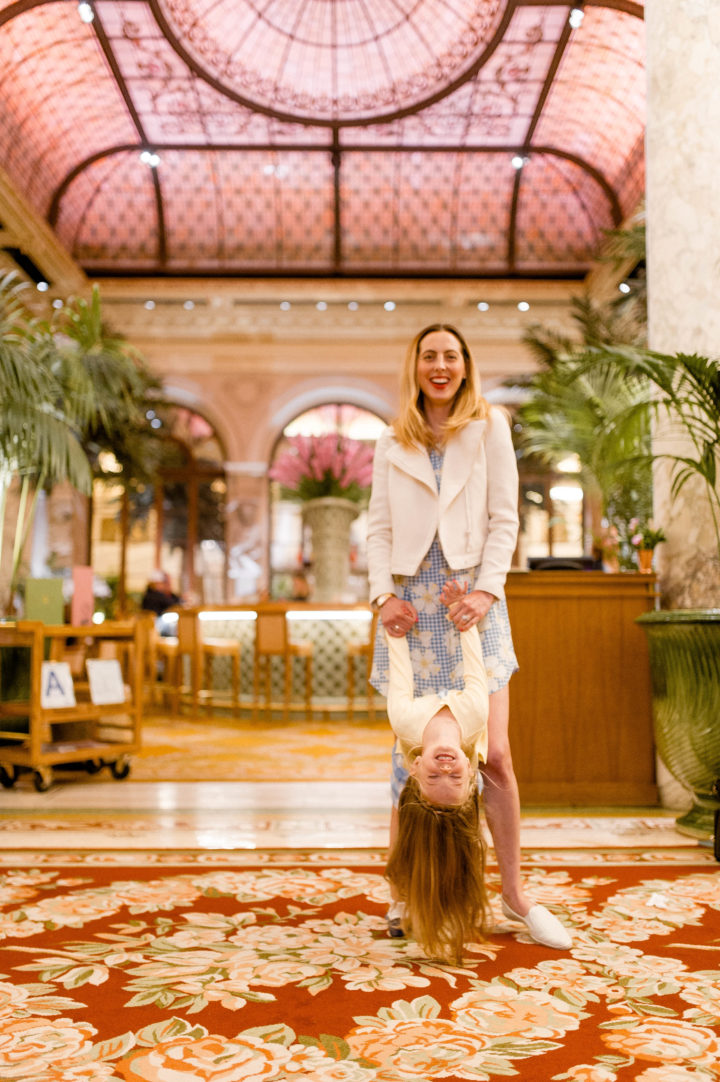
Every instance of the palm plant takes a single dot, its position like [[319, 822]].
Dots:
[[71, 389], [686, 393], [39, 440], [598, 412], [110, 389]]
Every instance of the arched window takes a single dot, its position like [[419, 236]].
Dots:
[[289, 558], [176, 524]]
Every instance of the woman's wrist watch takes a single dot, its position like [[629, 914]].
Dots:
[[380, 601]]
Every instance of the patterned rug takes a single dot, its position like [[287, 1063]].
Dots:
[[230, 967], [181, 749]]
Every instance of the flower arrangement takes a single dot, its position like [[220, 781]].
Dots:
[[606, 548], [645, 536], [331, 465]]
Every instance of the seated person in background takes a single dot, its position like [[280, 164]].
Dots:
[[159, 596], [436, 865]]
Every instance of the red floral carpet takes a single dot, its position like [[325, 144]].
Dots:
[[232, 967]]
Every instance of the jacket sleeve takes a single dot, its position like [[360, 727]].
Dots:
[[502, 506], [379, 526]]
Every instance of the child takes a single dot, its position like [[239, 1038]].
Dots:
[[437, 859]]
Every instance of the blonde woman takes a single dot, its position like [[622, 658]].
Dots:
[[444, 506]]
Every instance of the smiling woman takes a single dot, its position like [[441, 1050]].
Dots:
[[443, 517]]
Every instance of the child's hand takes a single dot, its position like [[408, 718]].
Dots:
[[452, 592]]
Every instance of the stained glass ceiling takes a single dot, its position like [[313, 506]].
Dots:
[[433, 138]]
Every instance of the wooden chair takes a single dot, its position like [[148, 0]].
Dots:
[[167, 680], [272, 639], [201, 651], [363, 650]]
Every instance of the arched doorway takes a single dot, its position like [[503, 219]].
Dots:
[[289, 553], [175, 523]]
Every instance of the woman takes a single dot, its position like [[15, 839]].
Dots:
[[444, 506]]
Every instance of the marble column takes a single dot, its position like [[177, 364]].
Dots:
[[683, 254]]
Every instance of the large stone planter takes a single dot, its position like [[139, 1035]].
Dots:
[[329, 519], [684, 647]]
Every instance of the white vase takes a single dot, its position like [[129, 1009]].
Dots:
[[329, 519]]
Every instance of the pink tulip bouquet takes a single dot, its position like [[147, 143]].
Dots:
[[331, 465]]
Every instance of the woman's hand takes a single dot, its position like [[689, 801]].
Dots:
[[470, 609], [397, 617]]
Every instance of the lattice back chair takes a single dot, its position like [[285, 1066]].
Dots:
[[272, 639], [364, 651], [202, 651]]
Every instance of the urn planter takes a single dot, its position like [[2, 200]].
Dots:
[[684, 649], [330, 519]]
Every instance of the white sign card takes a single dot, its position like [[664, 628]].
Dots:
[[56, 685], [106, 682]]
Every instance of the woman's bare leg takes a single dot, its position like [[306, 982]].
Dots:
[[502, 801]]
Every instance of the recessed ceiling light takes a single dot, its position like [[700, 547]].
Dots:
[[483, 306], [285, 306], [189, 305], [518, 161], [149, 305], [149, 157], [42, 287], [389, 306], [624, 287], [576, 17], [353, 306], [321, 306], [523, 306], [86, 12]]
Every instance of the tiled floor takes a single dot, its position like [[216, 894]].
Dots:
[[79, 814]]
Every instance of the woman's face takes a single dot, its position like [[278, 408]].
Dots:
[[440, 367]]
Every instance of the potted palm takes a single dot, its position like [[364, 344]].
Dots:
[[677, 396], [70, 389], [39, 434], [570, 406], [684, 639]]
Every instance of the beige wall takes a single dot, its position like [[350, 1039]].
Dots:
[[250, 366]]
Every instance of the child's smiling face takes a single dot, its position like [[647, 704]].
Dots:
[[443, 773]]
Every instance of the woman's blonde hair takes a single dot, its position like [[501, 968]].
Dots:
[[411, 427], [437, 866]]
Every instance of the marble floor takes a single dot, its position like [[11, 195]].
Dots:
[[77, 813]]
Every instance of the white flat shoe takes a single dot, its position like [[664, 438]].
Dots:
[[544, 928]]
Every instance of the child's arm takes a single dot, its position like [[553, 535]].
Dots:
[[407, 715], [401, 682], [476, 679]]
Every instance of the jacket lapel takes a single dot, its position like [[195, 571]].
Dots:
[[460, 455], [413, 461]]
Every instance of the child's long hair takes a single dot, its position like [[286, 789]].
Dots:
[[437, 865]]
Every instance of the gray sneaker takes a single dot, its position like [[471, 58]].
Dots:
[[394, 918]]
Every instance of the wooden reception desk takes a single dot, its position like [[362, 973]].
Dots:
[[580, 705]]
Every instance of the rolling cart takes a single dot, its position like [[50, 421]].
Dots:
[[93, 732]]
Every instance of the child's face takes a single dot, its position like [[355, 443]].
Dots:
[[443, 773]]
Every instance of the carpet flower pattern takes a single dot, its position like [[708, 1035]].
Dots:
[[266, 973]]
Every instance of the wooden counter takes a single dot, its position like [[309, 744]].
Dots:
[[580, 706]]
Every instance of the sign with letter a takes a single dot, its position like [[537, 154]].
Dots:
[[57, 686]]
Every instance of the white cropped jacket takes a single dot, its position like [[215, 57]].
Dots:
[[475, 513]]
